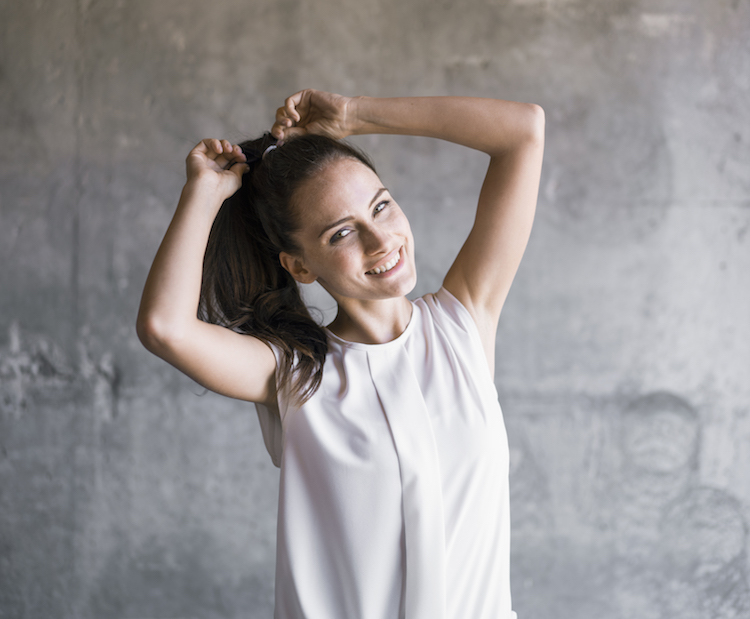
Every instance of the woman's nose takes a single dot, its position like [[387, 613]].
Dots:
[[375, 240]]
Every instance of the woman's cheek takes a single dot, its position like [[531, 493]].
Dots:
[[344, 261]]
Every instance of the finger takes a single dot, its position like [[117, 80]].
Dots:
[[282, 118], [213, 146], [283, 132], [291, 104], [202, 148], [290, 132], [226, 153], [234, 158], [278, 130], [238, 168]]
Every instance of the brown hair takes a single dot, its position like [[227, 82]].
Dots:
[[244, 285]]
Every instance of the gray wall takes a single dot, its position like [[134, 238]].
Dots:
[[127, 492]]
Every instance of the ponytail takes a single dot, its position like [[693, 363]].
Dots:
[[244, 286]]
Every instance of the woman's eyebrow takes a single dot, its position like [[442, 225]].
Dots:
[[377, 195], [350, 217], [334, 224]]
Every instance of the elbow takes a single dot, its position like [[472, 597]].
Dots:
[[157, 335], [535, 123], [522, 132], [148, 331]]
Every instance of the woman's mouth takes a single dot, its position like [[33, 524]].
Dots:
[[387, 266]]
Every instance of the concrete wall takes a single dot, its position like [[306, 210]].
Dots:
[[126, 492]]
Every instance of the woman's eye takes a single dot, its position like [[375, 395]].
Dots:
[[340, 235], [381, 206]]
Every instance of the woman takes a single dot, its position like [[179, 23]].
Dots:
[[386, 425]]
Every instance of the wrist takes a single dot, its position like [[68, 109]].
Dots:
[[370, 115], [203, 190], [356, 123]]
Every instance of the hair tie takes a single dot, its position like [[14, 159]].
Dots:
[[268, 150]]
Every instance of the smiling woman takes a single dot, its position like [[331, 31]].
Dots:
[[354, 257], [394, 460]]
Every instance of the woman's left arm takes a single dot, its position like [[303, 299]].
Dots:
[[512, 134]]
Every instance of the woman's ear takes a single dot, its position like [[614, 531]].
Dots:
[[296, 268]]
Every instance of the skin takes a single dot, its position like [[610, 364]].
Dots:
[[375, 231], [372, 309]]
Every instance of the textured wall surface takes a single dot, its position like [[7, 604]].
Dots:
[[623, 359]]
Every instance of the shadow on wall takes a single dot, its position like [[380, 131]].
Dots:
[[653, 543], [679, 549]]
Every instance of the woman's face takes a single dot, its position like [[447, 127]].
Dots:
[[355, 240]]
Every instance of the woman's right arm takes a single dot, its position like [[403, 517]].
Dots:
[[235, 365]]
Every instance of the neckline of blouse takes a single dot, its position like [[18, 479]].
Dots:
[[399, 339]]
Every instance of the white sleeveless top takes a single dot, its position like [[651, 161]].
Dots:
[[393, 500]]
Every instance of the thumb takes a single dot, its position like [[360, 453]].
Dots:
[[240, 168], [288, 133]]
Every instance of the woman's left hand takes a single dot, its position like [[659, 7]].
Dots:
[[313, 112]]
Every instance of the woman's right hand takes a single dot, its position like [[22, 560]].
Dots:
[[217, 163]]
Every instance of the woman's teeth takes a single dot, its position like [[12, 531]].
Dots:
[[387, 266]]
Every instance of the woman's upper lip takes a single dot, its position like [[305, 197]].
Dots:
[[389, 256]]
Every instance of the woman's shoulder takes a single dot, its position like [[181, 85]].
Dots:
[[444, 307]]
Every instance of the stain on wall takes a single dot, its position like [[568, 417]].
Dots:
[[623, 353]]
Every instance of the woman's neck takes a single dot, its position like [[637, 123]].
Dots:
[[371, 322]]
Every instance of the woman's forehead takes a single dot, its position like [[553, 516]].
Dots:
[[343, 185]]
